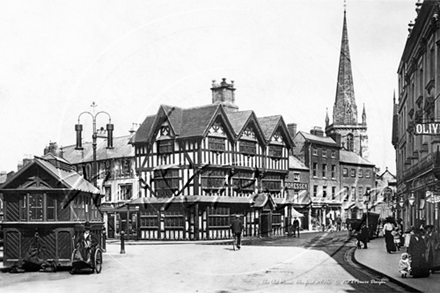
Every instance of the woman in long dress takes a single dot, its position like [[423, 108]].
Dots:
[[417, 248], [389, 239], [432, 253]]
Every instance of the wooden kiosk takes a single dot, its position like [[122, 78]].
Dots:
[[46, 204]]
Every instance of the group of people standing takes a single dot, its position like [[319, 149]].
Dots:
[[423, 248]]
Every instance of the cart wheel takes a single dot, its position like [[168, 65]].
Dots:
[[98, 261]]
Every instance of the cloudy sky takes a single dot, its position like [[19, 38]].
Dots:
[[57, 57]]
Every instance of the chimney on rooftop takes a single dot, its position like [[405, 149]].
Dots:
[[292, 129], [223, 93], [317, 131]]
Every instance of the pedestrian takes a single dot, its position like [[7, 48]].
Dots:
[[389, 240], [86, 243], [396, 237], [237, 228], [362, 237], [404, 265], [417, 249], [295, 227], [432, 253], [338, 223]]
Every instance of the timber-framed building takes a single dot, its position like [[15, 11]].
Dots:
[[199, 166]]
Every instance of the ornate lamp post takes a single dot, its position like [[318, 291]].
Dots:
[[367, 196], [411, 201], [109, 128]]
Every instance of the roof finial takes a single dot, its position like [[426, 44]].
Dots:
[[345, 5]]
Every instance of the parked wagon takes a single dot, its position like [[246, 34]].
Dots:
[[354, 225], [46, 205]]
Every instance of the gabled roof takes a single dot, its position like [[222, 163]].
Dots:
[[269, 126], [352, 158], [191, 122], [323, 140], [239, 119], [386, 172], [70, 179], [121, 149]]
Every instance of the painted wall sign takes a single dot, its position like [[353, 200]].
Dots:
[[431, 128], [296, 185]]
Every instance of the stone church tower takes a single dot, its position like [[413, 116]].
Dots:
[[353, 135]]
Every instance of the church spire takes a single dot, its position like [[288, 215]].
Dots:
[[327, 120], [345, 109]]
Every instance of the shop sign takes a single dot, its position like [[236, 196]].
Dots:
[[296, 185], [431, 128], [432, 196]]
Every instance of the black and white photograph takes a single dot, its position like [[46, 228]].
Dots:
[[208, 146]]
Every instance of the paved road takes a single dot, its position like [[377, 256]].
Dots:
[[314, 262]]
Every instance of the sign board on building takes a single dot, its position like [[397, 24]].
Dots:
[[432, 197], [296, 185], [430, 128]]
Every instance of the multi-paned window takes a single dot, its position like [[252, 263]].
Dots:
[[324, 191], [244, 181], [345, 172], [315, 169], [346, 193], [166, 182], [324, 152], [367, 173], [296, 177], [272, 182], [125, 191], [353, 193], [248, 147], [360, 173], [324, 170], [315, 190], [275, 151], [213, 179], [333, 153], [36, 207], [333, 192], [360, 193], [333, 171], [315, 151], [353, 172], [165, 146], [216, 144]]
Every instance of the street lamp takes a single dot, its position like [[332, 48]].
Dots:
[[366, 201], [401, 202], [109, 128], [411, 201]]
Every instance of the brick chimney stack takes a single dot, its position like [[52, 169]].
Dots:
[[317, 131], [223, 93], [292, 129]]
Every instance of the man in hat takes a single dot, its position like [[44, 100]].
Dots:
[[87, 242], [236, 228]]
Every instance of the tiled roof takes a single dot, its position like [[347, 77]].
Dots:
[[239, 119], [319, 139], [121, 149], [295, 163], [268, 125], [143, 133], [352, 158], [70, 179], [196, 120]]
